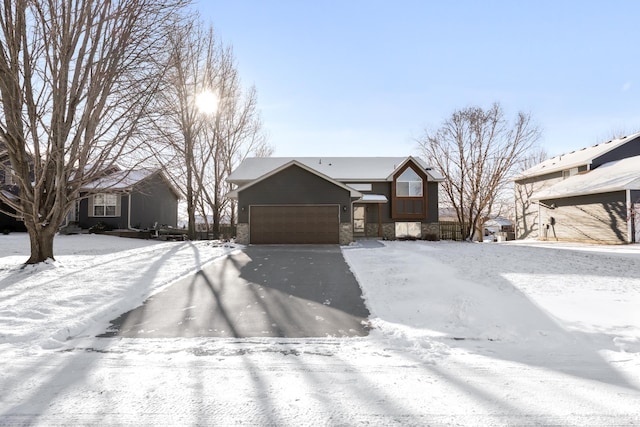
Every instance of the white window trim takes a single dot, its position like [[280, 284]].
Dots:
[[93, 205], [8, 175]]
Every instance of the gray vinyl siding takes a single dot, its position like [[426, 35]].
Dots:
[[294, 186], [629, 149], [432, 202], [598, 218], [527, 220], [153, 201], [85, 221]]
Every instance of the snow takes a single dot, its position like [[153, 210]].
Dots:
[[576, 158], [338, 168], [513, 333], [612, 176], [121, 180]]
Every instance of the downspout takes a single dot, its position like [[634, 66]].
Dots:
[[630, 218], [539, 220], [129, 227]]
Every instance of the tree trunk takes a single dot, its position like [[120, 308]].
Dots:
[[41, 239]]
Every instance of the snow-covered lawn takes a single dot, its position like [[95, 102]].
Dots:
[[465, 334]]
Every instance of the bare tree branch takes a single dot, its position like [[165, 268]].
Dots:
[[478, 151], [76, 78]]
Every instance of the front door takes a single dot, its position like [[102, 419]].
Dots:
[[359, 214]]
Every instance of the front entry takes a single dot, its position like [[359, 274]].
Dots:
[[359, 216]]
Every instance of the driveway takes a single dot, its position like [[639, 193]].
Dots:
[[261, 291]]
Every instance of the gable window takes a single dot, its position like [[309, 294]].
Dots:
[[104, 204], [409, 201], [409, 184]]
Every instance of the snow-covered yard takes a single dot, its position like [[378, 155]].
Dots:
[[465, 334]]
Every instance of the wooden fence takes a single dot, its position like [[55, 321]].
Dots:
[[450, 230]]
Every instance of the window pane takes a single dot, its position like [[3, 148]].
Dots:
[[409, 175], [415, 188], [98, 211], [98, 199], [111, 211], [402, 189], [111, 199]]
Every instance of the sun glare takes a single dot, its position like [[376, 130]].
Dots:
[[207, 102]]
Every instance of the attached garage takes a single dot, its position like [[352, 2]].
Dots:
[[294, 224]]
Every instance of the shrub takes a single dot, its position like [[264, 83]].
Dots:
[[100, 227]]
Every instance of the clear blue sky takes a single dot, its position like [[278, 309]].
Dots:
[[356, 77]]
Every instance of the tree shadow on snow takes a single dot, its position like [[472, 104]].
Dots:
[[262, 291], [521, 332]]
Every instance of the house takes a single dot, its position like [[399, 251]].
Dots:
[[130, 199], [499, 228], [498, 224], [9, 221], [592, 194], [334, 200]]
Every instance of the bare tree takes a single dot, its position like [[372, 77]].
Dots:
[[75, 80], [200, 142], [526, 215], [478, 151]]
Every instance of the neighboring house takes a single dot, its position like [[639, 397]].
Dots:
[[591, 194], [499, 227], [130, 199], [8, 220], [334, 200]]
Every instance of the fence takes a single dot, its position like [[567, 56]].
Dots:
[[450, 230], [226, 232]]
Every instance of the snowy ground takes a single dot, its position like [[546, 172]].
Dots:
[[465, 334]]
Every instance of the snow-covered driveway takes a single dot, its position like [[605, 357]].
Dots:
[[466, 334]]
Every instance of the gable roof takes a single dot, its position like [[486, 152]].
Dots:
[[343, 169], [234, 193], [576, 158], [613, 176], [125, 180]]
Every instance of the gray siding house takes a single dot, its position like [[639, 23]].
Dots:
[[334, 200], [592, 194], [131, 199], [9, 221]]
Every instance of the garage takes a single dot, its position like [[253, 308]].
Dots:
[[291, 224]]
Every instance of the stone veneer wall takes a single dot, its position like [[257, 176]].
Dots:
[[372, 230], [242, 233], [432, 228], [389, 231], [346, 233]]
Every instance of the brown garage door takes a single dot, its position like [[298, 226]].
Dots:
[[294, 224]]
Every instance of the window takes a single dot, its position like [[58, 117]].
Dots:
[[569, 173], [105, 205], [7, 175], [409, 184], [408, 230], [409, 198]]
